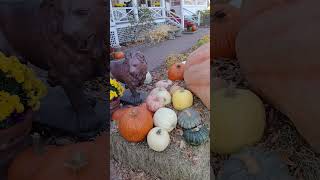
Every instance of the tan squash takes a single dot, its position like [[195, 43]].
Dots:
[[197, 73], [279, 55], [251, 9], [199, 55], [225, 22]]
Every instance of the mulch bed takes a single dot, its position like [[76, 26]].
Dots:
[[280, 135]]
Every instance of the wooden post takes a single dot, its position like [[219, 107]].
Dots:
[[135, 10]]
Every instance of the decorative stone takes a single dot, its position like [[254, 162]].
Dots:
[[132, 71]]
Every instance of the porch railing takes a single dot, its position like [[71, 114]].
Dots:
[[173, 18], [194, 17], [157, 12], [123, 14]]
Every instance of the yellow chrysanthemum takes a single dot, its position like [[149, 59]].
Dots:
[[34, 88]]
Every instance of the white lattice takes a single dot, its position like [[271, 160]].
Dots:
[[114, 41]]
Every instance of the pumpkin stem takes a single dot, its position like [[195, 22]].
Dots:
[[231, 90], [251, 163], [37, 147], [159, 132], [77, 161], [178, 66]]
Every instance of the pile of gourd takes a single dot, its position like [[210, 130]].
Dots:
[[154, 120]]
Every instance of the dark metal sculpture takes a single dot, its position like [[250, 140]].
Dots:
[[131, 71], [64, 37]]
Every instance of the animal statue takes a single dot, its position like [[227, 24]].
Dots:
[[131, 71], [66, 38]]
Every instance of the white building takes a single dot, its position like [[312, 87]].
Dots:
[[185, 10]]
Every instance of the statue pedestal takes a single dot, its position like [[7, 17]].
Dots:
[[56, 112], [127, 97]]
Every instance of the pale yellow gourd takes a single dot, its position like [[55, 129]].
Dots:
[[182, 99], [238, 120]]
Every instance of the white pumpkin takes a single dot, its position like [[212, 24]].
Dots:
[[148, 79], [163, 94], [164, 83], [158, 139], [165, 118]]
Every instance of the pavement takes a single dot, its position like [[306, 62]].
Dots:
[[156, 54]]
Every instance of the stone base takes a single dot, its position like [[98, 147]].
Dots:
[[56, 112], [169, 164], [127, 98]]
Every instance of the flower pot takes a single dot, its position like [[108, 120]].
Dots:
[[12, 140], [114, 105]]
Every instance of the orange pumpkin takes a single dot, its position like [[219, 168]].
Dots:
[[175, 72], [118, 113], [197, 73], [194, 27], [226, 24], [135, 123], [118, 55], [80, 161]]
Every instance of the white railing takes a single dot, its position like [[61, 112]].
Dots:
[[191, 16], [173, 18], [123, 14], [157, 12]]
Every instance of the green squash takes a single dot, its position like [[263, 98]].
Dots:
[[189, 118], [196, 136], [238, 120], [254, 164]]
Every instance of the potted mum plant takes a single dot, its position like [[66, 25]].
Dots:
[[116, 91], [20, 94]]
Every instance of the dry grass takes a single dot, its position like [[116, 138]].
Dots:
[[175, 58], [280, 135], [159, 34]]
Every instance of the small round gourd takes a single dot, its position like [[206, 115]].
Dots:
[[158, 139], [189, 118], [239, 120], [182, 99], [254, 164], [148, 79], [165, 118], [196, 136], [154, 102], [164, 83], [165, 96]]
